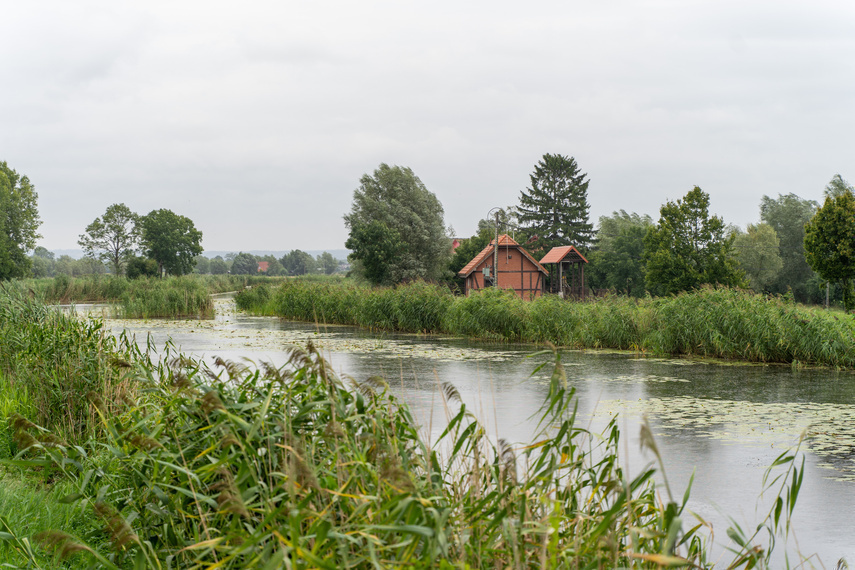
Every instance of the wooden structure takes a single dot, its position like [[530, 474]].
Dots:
[[516, 269], [570, 278]]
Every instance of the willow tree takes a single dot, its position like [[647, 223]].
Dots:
[[555, 207], [397, 232], [830, 242], [757, 252], [788, 214]]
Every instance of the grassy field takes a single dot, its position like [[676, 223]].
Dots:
[[171, 464], [719, 323]]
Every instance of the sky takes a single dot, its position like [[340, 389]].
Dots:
[[257, 119]]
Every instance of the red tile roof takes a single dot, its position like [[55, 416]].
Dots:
[[504, 240], [563, 253]]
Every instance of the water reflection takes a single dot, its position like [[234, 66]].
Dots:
[[723, 423]]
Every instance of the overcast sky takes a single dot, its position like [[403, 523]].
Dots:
[[257, 119]]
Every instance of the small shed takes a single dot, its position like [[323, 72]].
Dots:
[[570, 265], [516, 270]]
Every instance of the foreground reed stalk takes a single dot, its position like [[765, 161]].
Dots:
[[719, 323]]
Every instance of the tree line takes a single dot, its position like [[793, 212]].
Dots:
[[797, 247], [397, 233], [294, 263]]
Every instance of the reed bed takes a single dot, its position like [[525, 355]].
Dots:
[[719, 323], [173, 297], [233, 467], [50, 363]]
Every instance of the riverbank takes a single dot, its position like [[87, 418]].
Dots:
[[717, 323], [246, 467], [187, 296]]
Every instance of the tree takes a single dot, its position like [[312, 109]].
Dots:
[[273, 266], [19, 222], [556, 207], [830, 242], [617, 259], [837, 186], [395, 206], [298, 262], [112, 238], [171, 240], [688, 248], [327, 263], [43, 263], [377, 248], [218, 266], [244, 264], [757, 252], [202, 265], [788, 215]]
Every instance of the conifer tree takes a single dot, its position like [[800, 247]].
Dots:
[[556, 207]]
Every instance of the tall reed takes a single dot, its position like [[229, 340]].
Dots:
[[289, 467], [50, 364], [721, 323]]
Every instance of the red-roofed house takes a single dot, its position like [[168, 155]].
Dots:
[[263, 266], [517, 270]]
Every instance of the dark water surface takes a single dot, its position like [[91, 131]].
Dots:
[[723, 422]]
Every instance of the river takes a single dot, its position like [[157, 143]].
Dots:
[[725, 423]]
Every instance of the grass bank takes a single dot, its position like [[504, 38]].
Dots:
[[719, 323], [290, 467]]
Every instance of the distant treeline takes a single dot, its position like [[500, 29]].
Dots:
[[296, 262], [718, 323]]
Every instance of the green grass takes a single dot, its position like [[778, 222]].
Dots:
[[719, 323]]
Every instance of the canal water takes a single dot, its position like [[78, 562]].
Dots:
[[724, 424]]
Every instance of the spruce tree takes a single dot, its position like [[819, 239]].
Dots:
[[556, 207]]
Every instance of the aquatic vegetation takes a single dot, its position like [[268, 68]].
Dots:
[[173, 297], [718, 323], [237, 467]]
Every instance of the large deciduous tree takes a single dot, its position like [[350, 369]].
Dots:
[[244, 264], [830, 242], [757, 252], [326, 263], [556, 207], [397, 232], [688, 248], [112, 238], [788, 214], [617, 259], [298, 262], [171, 240], [19, 222]]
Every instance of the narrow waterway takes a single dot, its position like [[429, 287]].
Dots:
[[724, 423]]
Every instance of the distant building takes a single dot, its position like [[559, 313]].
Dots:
[[263, 266], [516, 270], [569, 280]]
